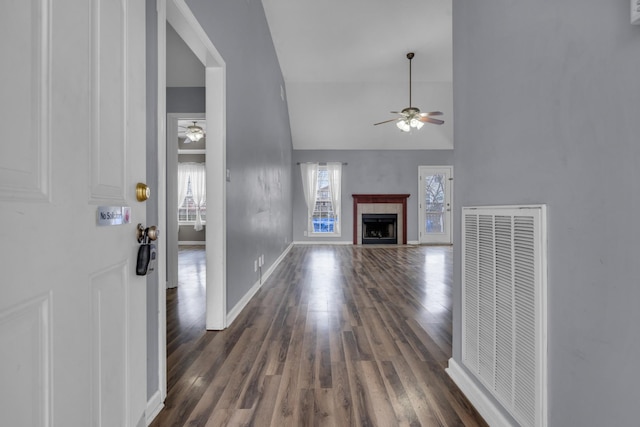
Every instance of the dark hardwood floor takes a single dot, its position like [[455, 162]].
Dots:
[[337, 336]]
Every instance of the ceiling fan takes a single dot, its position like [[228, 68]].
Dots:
[[411, 117], [193, 133]]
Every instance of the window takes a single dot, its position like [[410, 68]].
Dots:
[[321, 185], [187, 211], [434, 200], [192, 194]]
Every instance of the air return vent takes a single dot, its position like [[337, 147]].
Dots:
[[504, 306]]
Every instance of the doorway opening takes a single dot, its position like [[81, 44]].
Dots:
[[186, 218], [180, 17], [185, 24]]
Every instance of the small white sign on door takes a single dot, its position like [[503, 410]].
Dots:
[[113, 215]]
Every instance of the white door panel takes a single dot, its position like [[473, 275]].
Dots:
[[72, 312], [434, 206]]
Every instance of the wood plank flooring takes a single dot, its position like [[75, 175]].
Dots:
[[337, 336]]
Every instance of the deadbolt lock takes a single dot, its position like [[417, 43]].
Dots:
[[143, 192]]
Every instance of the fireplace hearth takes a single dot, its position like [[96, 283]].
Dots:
[[379, 229]]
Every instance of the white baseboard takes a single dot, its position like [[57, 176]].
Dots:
[[341, 242], [235, 311], [483, 404], [323, 242], [154, 406]]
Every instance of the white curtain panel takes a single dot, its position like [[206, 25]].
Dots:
[[309, 186], [183, 182], [334, 172], [199, 190]]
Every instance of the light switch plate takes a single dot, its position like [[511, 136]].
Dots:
[[635, 12]]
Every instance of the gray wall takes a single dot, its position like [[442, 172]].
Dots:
[[186, 233], [186, 99], [152, 182], [367, 172], [184, 69], [259, 214], [547, 108]]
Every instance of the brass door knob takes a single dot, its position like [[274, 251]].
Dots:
[[153, 232], [145, 234]]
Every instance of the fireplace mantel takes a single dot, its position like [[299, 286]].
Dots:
[[380, 198]]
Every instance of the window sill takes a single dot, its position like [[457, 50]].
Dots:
[[190, 223], [324, 234]]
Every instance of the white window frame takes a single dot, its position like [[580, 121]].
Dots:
[[335, 196]]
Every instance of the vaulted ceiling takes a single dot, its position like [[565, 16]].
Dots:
[[345, 68]]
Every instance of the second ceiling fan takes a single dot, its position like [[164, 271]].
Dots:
[[411, 117]]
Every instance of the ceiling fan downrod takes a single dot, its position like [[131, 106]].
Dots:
[[410, 56]]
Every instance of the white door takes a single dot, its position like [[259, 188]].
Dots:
[[434, 206], [72, 132]]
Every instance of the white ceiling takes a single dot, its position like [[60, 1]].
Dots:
[[345, 68]]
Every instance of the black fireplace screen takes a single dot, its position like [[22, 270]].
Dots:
[[379, 228]]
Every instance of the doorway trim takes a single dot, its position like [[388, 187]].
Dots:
[[178, 14]]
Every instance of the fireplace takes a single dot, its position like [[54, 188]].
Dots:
[[379, 229], [380, 204]]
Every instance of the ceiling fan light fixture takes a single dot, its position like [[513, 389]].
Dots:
[[403, 125], [411, 116], [194, 133]]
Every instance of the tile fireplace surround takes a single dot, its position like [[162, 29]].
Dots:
[[380, 203]]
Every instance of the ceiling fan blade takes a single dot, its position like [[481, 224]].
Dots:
[[432, 113], [386, 121], [430, 120]]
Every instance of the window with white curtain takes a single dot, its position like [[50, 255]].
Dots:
[[322, 192], [192, 194]]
